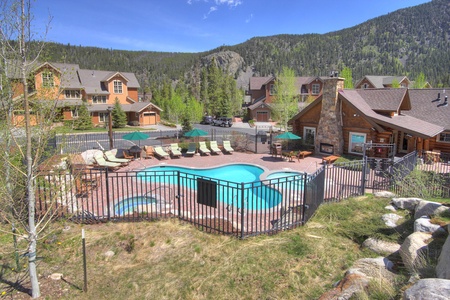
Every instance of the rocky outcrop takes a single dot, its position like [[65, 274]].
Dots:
[[443, 266], [227, 61], [427, 289]]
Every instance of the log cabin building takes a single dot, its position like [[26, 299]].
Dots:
[[341, 120]]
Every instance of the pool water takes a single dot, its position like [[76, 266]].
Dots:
[[128, 205], [229, 180]]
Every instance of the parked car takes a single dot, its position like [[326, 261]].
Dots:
[[207, 120], [223, 122]]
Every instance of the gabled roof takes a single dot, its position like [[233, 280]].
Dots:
[[258, 102], [256, 83], [388, 100], [382, 81], [134, 107], [403, 122], [93, 80]]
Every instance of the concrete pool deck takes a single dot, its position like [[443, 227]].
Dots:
[[308, 164]]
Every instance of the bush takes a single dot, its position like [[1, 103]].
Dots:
[[134, 123]]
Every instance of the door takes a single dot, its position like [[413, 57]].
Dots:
[[262, 116]]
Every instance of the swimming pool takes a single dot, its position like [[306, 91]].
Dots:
[[128, 205], [230, 179]]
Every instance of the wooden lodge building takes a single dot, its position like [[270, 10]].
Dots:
[[71, 87], [340, 121]]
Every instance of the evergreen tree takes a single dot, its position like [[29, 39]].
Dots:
[[84, 121], [119, 117]]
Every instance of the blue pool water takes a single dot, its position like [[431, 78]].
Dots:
[[129, 204], [229, 178]]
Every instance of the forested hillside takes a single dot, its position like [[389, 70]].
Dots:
[[405, 42]]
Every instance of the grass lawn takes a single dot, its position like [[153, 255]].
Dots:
[[169, 259]]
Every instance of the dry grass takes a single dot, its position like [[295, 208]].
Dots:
[[172, 260]]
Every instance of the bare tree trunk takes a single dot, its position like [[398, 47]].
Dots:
[[32, 233]]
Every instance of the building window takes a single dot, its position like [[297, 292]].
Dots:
[[74, 113], [309, 135], [356, 143], [103, 117], [444, 137], [117, 87], [98, 99], [315, 88], [365, 86], [272, 90], [47, 79], [72, 94]]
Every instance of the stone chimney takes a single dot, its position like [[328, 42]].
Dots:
[[329, 137]]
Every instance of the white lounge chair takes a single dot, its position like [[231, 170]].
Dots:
[[100, 161], [112, 158], [203, 149], [227, 147], [175, 150], [160, 153], [214, 148]]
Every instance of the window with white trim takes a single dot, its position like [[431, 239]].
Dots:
[[98, 99], [356, 142], [315, 88], [117, 87], [103, 117], [309, 135], [72, 94], [74, 113], [47, 79], [444, 137]]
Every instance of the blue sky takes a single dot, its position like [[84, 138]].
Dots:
[[197, 25]]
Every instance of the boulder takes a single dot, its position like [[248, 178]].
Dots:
[[384, 194], [423, 224], [380, 246], [428, 208], [443, 265], [413, 251], [391, 208], [430, 288], [406, 203], [391, 219]]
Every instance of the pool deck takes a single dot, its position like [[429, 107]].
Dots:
[[308, 164]]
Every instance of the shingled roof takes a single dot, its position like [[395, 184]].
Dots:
[[382, 81]]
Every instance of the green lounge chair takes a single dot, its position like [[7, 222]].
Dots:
[[227, 147], [192, 149], [214, 148], [100, 161], [203, 149], [160, 153], [175, 150], [112, 158]]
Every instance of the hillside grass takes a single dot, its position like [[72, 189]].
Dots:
[[169, 259]]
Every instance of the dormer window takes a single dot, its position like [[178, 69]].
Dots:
[[47, 79], [315, 89], [72, 94], [272, 89], [365, 86], [117, 87]]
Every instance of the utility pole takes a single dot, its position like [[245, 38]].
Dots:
[[111, 146]]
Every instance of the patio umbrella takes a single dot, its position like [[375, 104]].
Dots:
[[195, 133], [288, 136], [135, 136]]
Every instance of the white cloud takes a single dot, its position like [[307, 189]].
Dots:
[[211, 9], [231, 3], [249, 18]]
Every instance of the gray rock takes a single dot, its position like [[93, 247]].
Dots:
[[381, 247], [384, 194], [56, 276], [391, 208], [423, 224], [443, 265], [391, 219], [406, 203], [428, 208], [413, 251], [427, 289], [109, 254]]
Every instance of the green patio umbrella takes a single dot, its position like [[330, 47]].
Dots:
[[195, 133], [288, 136], [135, 136]]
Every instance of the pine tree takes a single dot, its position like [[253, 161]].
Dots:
[[84, 121], [119, 117]]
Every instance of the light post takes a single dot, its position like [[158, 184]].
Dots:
[[110, 127]]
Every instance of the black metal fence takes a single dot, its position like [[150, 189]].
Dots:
[[213, 205]]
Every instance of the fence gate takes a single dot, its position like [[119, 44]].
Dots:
[[377, 162]]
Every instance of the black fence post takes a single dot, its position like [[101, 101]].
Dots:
[[363, 176], [107, 195], [179, 194]]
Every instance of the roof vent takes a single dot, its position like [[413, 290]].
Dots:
[[438, 98], [445, 102]]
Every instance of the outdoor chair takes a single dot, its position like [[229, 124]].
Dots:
[[214, 148], [127, 155], [227, 147], [192, 149], [175, 150], [160, 153], [100, 161], [149, 152], [112, 158], [203, 149]]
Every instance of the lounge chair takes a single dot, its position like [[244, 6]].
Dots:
[[203, 149], [160, 153], [112, 158], [100, 161], [175, 150], [214, 148], [227, 147], [192, 149], [149, 152]]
